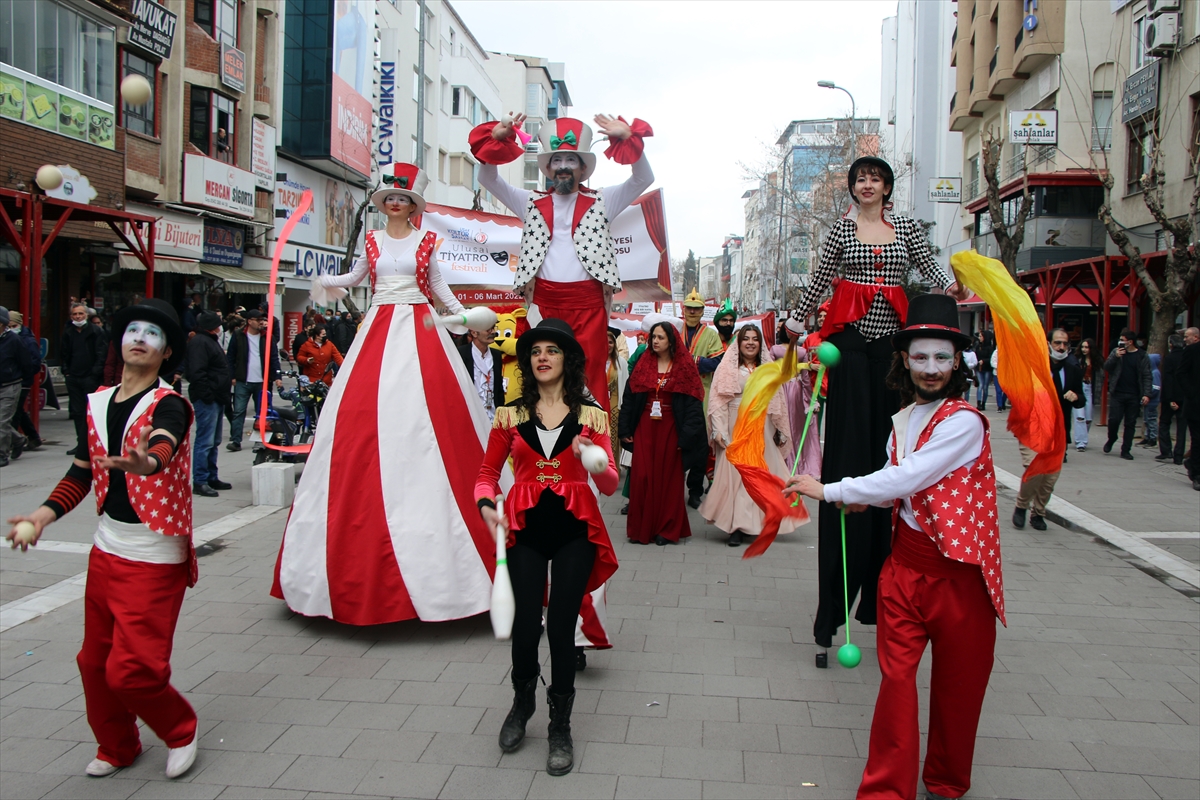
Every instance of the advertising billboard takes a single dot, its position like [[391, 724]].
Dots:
[[217, 185], [331, 217], [353, 75]]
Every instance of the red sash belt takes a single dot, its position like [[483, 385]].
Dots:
[[851, 302], [915, 550]]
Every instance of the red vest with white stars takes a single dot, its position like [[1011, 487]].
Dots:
[[162, 501], [424, 253], [959, 511]]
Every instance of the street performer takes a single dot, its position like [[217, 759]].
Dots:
[[942, 582], [142, 560], [568, 265]]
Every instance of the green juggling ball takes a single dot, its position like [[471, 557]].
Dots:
[[828, 354], [849, 656]]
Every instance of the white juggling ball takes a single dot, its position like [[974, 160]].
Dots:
[[26, 535], [135, 90], [49, 177]]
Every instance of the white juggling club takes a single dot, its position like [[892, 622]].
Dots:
[[504, 607], [594, 459], [480, 318]]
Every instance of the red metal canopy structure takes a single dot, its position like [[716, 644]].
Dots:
[[23, 217]]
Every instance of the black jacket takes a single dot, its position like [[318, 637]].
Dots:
[[1171, 390], [1073, 383], [1113, 367], [239, 352], [16, 364], [342, 334], [1189, 382], [468, 358], [35, 352], [689, 425], [82, 351], [207, 370]]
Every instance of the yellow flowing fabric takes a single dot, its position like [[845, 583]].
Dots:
[[746, 450], [1023, 366]]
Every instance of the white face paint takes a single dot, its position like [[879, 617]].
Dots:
[[568, 161], [144, 333], [399, 199], [931, 355]]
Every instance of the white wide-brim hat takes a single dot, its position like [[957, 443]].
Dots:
[[566, 135], [400, 178]]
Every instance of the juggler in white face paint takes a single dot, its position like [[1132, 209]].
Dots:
[[145, 334]]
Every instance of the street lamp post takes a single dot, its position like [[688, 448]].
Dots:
[[853, 115]]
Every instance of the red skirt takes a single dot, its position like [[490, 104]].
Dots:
[[656, 493]]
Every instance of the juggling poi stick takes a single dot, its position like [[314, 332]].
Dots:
[[828, 356], [504, 607], [848, 654]]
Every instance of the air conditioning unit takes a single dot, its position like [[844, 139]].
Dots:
[[1162, 32], [1156, 7]]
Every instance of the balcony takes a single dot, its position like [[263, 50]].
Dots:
[[972, 190], [1101, 139], [1015, 165]]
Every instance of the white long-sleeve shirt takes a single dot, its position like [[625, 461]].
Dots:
[[562, 263], [955, 442], [397, 258]]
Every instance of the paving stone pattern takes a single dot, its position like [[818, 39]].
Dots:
[[709, 691]]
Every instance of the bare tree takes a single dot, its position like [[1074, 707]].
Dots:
[[352, 240], [1166, 291], [1009, 235]]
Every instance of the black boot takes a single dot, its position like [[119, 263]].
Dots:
[[562, 750], [512, 733]]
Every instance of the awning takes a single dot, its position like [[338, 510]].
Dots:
[[179, 266], [238, 280]]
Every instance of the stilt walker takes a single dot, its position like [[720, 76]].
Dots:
[[142, 561]]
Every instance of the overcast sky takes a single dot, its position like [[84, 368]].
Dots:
[[718, 81]]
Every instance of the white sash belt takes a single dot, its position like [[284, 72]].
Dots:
[[398, 290]]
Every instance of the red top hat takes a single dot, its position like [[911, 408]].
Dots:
[[400, 178], [566, 135]]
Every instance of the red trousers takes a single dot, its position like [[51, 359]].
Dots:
[[925, 600], [581, 305], [130, 611]]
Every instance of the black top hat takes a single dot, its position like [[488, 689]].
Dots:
[[932, 316], [161, 314], [888, 176], [552, 330]]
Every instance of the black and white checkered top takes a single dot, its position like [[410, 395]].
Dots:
[[878, 265]]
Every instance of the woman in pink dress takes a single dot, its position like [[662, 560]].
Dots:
[[384, 526]]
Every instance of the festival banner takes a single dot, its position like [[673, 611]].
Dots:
[[478, 252]]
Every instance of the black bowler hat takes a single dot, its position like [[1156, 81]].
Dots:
[[548, 330], [160, 313], [932, 316], [889, 177]]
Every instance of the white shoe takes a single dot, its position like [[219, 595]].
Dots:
[[180, 759], [99, 768]]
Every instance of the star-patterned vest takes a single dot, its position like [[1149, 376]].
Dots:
[[162, 501], [424, 253], [589, 231], [959, 511]]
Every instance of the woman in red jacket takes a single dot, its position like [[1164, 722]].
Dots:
[[554, 521], [315, 356]]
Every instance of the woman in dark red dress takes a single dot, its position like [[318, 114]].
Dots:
[[662, 423]]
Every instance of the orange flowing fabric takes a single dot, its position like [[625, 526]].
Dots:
[[746, 450], [1022, 366]]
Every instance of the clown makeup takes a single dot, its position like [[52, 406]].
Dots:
[[931, 355], [144, 333], [398, 199], [564, 161]]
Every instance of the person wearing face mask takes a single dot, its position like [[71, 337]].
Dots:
[[942, 582], [383, 527], [316, 355], [138, 459], [568, 265], [1129, 387], [723, 321], [871, 250], [1035, 491], [81, 354]]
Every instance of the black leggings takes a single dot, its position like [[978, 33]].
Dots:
[[570, 559]]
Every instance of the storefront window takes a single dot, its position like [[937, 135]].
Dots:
[[140, 119], [57, 43]]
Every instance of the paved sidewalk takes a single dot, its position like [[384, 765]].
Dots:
[[710, 690]]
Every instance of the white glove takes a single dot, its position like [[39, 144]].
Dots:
[[322, 295]]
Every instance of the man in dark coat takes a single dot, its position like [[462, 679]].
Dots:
[[1189, 389], [208, 374], [342, 332], [1171, 403], [1129, 388], [482, 360], [22, 423], [81, 354], [15, 366]]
